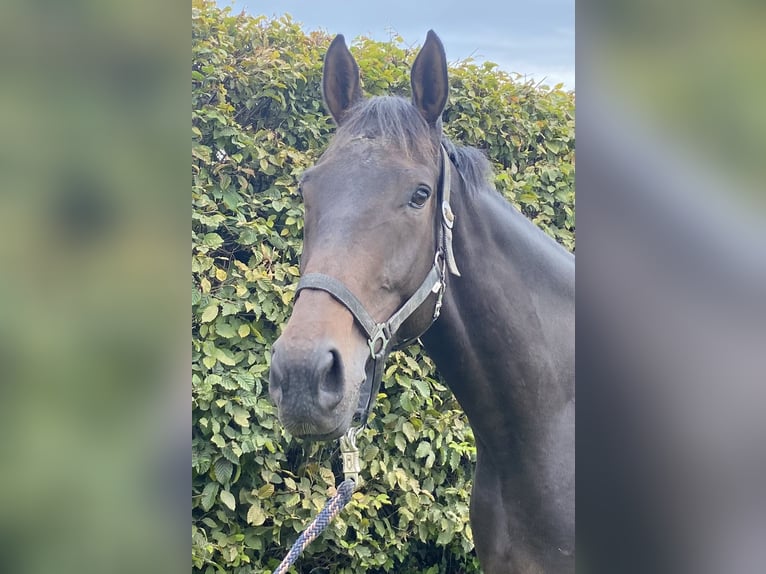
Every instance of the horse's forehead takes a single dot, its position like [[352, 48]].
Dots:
[[368, 154], [362, 146]]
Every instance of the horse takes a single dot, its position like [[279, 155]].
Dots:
[[405, 237]]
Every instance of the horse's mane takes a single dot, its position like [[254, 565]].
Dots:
[[396, 120], [472, 165]]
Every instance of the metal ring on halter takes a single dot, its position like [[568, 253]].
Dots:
[[378, 341]]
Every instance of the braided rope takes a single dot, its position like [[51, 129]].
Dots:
[[322, 521]]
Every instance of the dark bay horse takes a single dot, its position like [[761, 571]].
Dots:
[[404, 236]]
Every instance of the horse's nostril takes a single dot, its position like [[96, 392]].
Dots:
[[276, 378], [325, 363], [301, 380], [275, 392], [330, 376]]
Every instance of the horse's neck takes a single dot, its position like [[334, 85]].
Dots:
[[504, 341]]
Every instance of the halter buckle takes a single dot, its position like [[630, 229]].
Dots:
[[439, 287], [438, 305], [378, 341]]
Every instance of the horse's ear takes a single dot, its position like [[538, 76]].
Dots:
[[340, 80], [430, 86]]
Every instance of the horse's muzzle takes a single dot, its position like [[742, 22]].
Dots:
[[307, 383]]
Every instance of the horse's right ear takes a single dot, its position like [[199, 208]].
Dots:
[[340, 80], [430, 86]]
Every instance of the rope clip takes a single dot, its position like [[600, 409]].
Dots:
[[350, 456]]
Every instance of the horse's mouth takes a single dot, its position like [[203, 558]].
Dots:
[[308, 432]]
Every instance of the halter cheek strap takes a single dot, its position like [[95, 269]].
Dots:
[[448, 217], [380, 336]]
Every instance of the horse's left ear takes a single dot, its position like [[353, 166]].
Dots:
[[430, 86]]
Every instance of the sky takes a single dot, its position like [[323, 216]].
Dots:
[[532, 38]]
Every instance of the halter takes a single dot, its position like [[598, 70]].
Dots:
[[380, 336]]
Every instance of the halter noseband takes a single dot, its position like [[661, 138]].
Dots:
[[380, 336]]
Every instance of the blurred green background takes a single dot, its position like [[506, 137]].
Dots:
[[694, 71], [94, 216]]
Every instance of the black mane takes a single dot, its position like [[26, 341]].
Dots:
[[472, 165]]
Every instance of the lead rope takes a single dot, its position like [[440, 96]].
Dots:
[[351, 467]]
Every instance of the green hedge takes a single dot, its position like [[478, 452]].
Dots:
[[257, 123]]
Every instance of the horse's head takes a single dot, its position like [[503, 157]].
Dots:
[[371, 224]]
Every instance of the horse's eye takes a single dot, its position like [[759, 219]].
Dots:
[[420, 197]]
